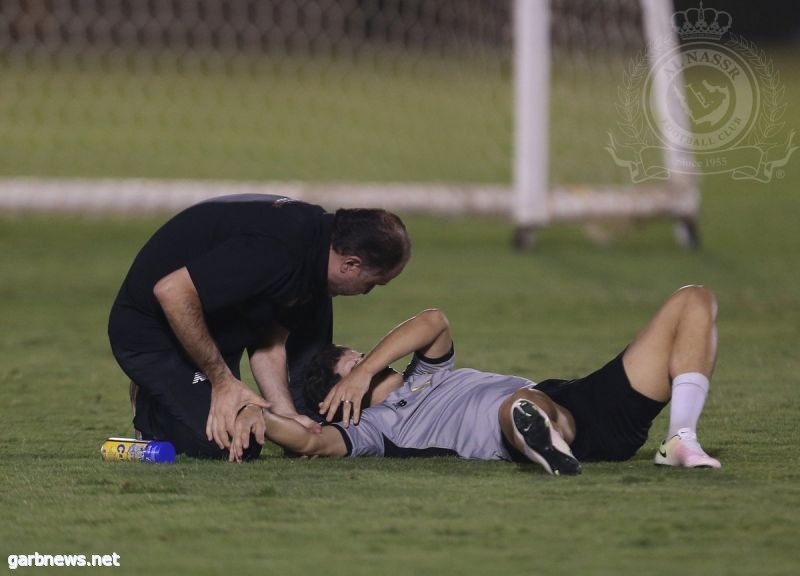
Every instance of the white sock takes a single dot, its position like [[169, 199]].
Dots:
[[689, 392]]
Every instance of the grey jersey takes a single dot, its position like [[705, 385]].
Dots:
[[439, 410]]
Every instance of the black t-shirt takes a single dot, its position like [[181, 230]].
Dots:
[[254, 259]]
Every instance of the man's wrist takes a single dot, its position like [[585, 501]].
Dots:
[[221, 379]]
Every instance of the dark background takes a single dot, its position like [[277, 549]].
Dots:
[[762, 20], [317, 26]]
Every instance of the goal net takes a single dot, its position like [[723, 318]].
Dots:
[[405, 104]]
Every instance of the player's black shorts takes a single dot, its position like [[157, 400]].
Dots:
[[611, 418], [173, 401]]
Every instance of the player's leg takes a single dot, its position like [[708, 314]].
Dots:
[[529, 422], [673, 358]]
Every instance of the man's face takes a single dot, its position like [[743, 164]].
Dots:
[[352, 278]]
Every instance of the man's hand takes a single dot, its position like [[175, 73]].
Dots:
[[228, 396], [250, 421], [348, 392], [307, 423]]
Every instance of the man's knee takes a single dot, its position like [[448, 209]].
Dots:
[[698, 300]]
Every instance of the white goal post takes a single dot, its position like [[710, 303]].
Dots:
[[537, 203]]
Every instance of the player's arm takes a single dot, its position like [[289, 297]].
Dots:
[[180, 301], [427, 333], [285, 432]]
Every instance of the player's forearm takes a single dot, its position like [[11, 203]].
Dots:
[[184, 312], [290, 434], [270, 372], [420, 333]]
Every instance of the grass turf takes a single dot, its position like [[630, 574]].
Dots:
[[559, 312]]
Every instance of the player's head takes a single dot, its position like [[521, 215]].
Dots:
[[330, 365], [369, 247]]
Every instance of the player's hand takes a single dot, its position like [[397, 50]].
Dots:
[[250, 421], [348, 393], [227, 398]]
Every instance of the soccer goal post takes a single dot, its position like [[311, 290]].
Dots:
[[537, 201]]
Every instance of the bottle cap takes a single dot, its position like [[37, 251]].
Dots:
[[159, 452]]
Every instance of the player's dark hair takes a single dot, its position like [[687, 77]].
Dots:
[[376, 236], [319, 376]]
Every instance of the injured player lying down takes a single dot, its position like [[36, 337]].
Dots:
[[434, 408]]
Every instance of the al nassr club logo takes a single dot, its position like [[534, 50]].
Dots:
[[724, 104]]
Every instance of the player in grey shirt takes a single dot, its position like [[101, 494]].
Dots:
[[438, 410], [434, 408]]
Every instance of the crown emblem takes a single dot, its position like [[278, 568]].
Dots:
[[701, 23]]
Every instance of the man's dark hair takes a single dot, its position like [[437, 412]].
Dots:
[[319, 376], [376, 236]]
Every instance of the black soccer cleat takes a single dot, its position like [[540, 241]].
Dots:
[[542, 444]]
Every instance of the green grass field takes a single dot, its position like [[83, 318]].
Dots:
[[561, 311]]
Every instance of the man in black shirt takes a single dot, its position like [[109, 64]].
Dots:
[[251, 272]]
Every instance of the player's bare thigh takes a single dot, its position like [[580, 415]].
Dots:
[[648, 358], [560, 417]]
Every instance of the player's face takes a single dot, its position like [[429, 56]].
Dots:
[[382, 384], [349, 360]]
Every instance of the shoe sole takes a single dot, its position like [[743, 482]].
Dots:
[[663, 460], [532, 427], [671, 465], [668, 465]]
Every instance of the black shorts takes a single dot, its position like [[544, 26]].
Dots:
[[173, 400], [611, 418]]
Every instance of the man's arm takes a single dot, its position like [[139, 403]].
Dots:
[[181, 303], [427, 333], [269, 367], [285, 432], [268, 364]]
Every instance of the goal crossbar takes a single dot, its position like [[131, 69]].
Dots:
[[142, 196]]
